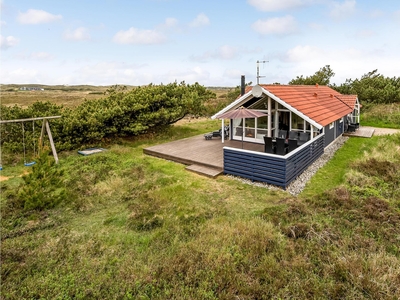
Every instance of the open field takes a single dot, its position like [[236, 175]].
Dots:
[[68, 96], [123, 225], [130, 226]]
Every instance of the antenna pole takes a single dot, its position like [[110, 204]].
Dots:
[[258, 69]]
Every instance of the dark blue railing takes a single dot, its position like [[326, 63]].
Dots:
[[271, 168]]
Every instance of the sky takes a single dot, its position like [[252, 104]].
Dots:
[[212, 42]]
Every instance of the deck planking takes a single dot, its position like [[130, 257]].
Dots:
[[366, 132], [199, 151]]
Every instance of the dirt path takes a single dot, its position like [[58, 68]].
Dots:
[[383, 131]]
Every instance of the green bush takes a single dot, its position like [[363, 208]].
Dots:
[[43, 188], [121, 113]]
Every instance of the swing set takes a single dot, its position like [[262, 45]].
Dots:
[[45, 126]]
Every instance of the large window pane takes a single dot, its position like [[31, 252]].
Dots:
[[297, 122]]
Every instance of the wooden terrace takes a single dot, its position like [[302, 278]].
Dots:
[[202, 156], [212, 157]]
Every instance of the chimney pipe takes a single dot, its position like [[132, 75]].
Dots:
[[242, 85]]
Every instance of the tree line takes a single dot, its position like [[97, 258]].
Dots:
[[120, 113], [372, 87]]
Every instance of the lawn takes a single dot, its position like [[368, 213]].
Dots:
[[131, 226]]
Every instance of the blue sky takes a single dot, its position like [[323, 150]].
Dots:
[[138, 42]]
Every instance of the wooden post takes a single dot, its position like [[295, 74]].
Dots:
[[269, 117], [223, 131], [41, 136], [53, 148], [44, 125]]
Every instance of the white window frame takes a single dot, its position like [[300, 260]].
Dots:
[[332, 125]]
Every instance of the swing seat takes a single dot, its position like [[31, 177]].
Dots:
[[28, 164]]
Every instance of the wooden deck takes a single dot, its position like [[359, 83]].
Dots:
[[203, 156], [361, 132]]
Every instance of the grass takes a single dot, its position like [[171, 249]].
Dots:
[[139, 227], [68, 96], [383, 116], [133, 226], [333, 173]]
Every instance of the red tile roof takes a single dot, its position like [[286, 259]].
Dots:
[[320, 103], [350, 100]]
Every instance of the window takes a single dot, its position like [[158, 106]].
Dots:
[[331, 125], [341, 120], [297, 122]]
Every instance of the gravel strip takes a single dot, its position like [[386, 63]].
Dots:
[[297, 186]]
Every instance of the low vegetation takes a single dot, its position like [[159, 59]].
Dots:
[[384, 116], [123, 225]]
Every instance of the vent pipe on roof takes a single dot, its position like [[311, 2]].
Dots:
[[316, 85], [242, 85]]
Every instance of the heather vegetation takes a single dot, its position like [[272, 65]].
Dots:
[[123, 225]]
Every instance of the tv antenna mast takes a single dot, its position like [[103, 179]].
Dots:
[[258, 69]]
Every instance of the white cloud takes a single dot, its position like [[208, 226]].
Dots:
[[366, 34], [196, 74], [233, 73], [276, 5], [146, 36], [42, 56], [7, 42], [303, 53], [170, 22], [20, 75], [139, 37], [200, 20], [34, 56], [36, 16], [376, 14], [341, 10], [3, 23], [79, 34], [277, 26], [225, 52]]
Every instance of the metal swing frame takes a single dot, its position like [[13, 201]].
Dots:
[[45, 127]]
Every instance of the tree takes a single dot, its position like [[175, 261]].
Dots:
[[321, 77], [372, 87]]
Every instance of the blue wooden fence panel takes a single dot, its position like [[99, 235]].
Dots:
[[272, 169]]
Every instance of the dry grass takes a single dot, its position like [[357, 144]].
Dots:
[[61, 95]]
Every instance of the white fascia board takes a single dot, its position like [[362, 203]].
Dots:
[[239, 101], [292, 109]]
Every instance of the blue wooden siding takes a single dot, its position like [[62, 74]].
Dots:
[[339, 128], [273, 169], [329, 135]]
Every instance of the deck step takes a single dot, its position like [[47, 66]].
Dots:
[[206, 171]]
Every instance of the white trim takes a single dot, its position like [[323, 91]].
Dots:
[[286, 156], [243, 98]]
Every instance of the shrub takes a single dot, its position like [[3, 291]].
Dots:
[[43, 187]]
